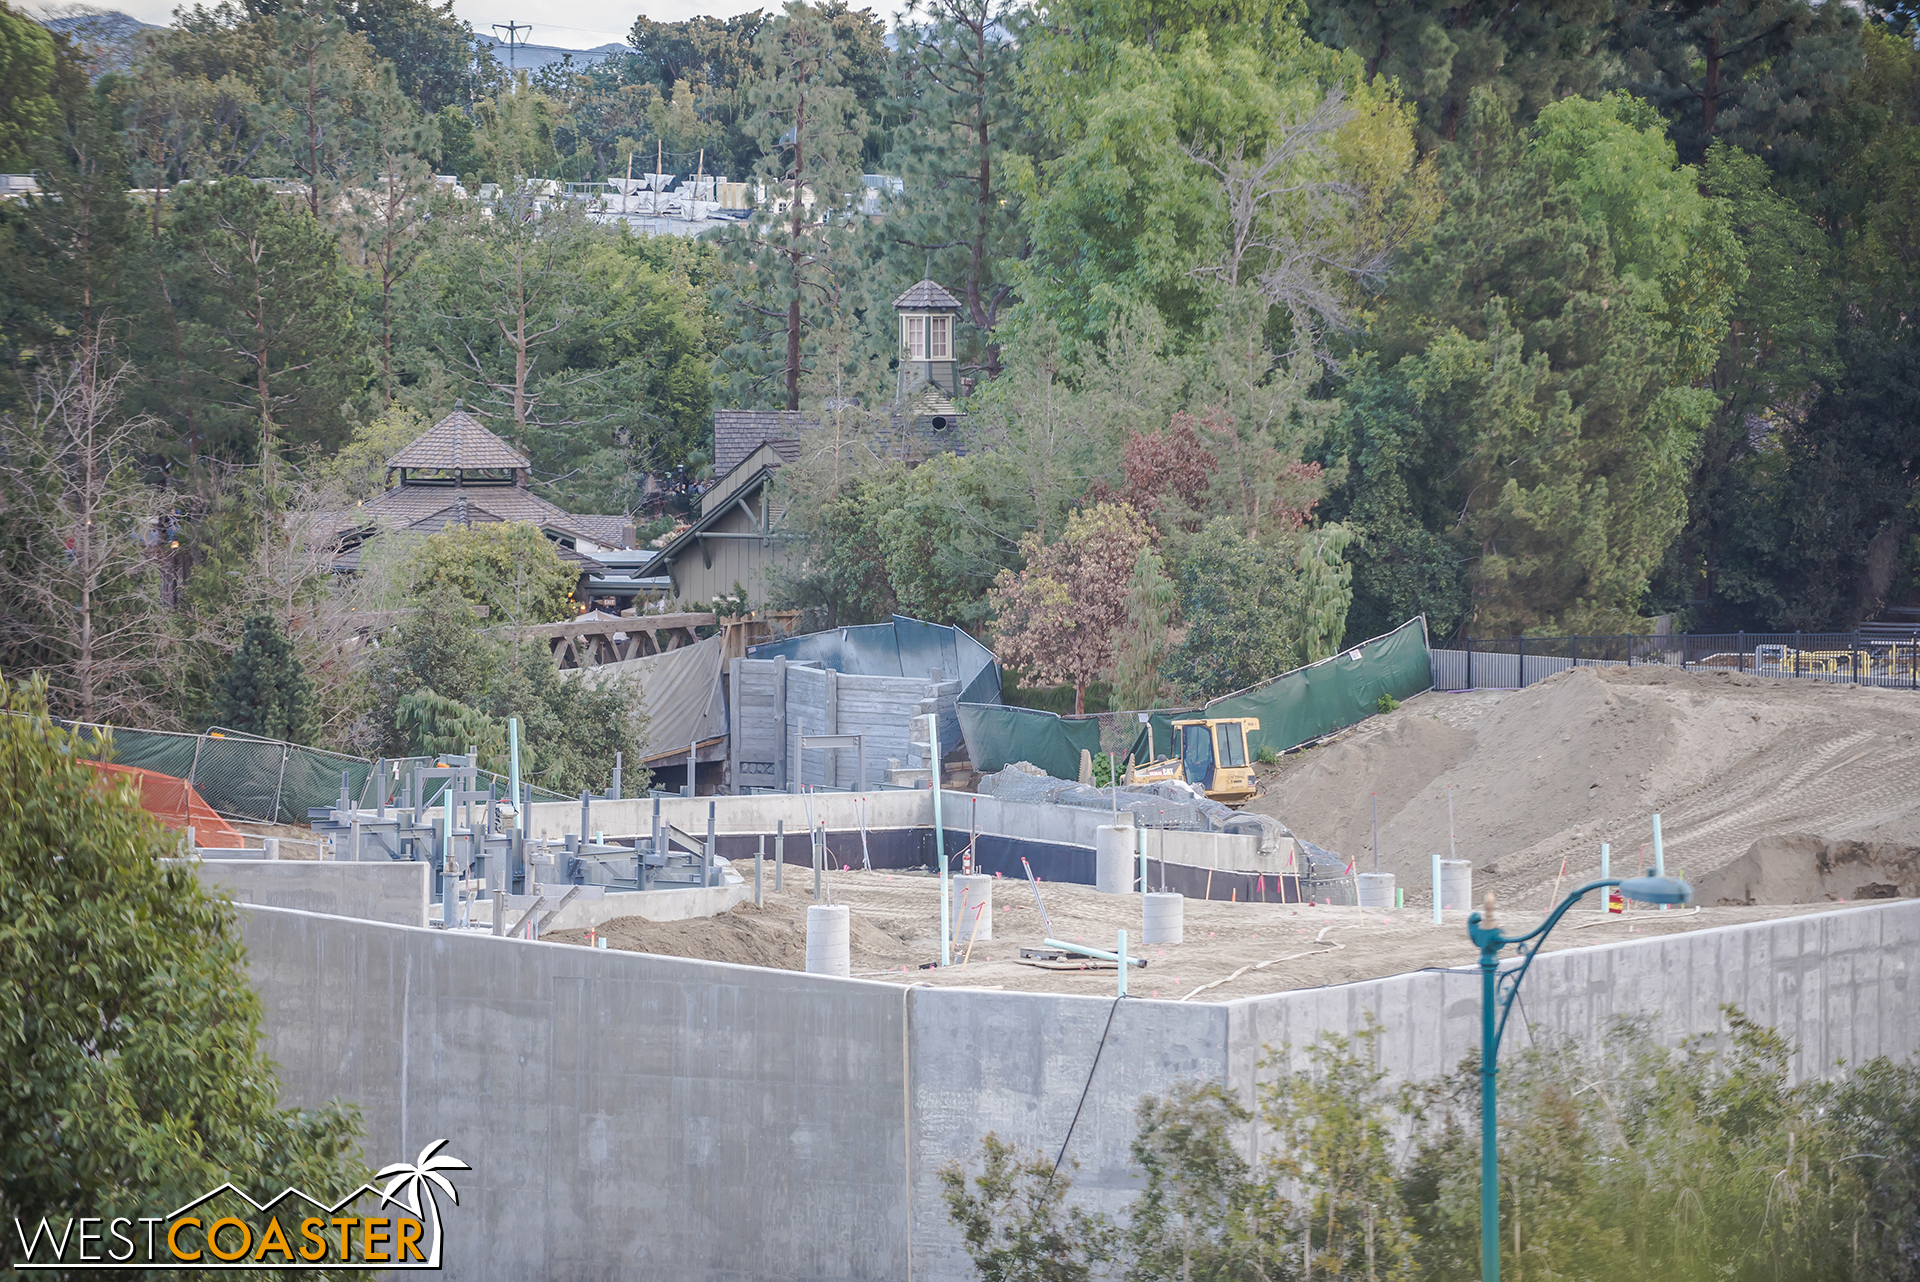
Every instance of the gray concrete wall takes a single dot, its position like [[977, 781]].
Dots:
[[650, 1117], [888, 809], [390, 892]]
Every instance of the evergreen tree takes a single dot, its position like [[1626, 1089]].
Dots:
[[1754, 73], [268, 351], [1440, 51], [265, 690], [962, 154], [317, 83], [791, 266], [27, 73], [436, 726]]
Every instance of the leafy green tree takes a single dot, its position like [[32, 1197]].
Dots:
[[1777, 348], [132, 1080], [1016, 1222], [265, 690], [437, 647], [1754, 73], [429, 46], [1190, 159], [1242, 603], [787, 263], [509, 567], [1552, 315], [574, 725], [514, 138], [714, 59]]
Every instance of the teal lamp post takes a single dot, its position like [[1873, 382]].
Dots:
[[1497, 991]]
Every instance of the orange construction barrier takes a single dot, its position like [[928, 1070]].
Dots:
[[175, 803]]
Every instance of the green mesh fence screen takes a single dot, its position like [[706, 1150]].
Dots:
[[1293, 708], [1299, 706], [242, 777], [998, 736]]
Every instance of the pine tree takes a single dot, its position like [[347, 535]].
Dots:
[[1440, 51], [1754, 73], [265, 690], [961, 155], [786, 281]]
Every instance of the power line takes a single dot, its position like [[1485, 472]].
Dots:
[[512, 29]]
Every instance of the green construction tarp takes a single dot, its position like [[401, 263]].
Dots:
[[997, 736], [1299, 706], [1294, 708]]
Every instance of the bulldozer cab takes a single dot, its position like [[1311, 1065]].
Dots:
[[1213, 756]]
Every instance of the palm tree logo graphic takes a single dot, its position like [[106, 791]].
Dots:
[[418, 1179]]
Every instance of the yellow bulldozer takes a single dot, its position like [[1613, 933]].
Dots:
[[1208, 753]]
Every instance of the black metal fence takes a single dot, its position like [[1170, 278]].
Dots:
[[1849, 658]]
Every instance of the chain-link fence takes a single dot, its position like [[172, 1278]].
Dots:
[[1850, 658], [243, 776]]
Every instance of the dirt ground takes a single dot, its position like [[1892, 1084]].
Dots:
[[1230, 950], [1733, 764], [1777, 797]]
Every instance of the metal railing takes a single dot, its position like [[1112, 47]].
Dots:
[[1847, 658]]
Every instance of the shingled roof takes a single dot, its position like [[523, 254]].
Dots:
[[926, 297], [405, 505], [458, 443], [738, 433]]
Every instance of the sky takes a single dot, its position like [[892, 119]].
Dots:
[[577, 24]]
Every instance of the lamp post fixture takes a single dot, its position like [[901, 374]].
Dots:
[[1497, 991]]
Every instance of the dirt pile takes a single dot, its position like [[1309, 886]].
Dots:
[[1800, 868], [1544, 775], [774, 935]]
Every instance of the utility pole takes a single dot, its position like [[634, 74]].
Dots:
[[512, 29]]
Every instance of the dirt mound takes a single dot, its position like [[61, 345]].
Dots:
[[774, 936], [1546, 774], [1800, 868]]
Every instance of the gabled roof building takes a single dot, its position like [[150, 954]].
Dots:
[[460, 473]]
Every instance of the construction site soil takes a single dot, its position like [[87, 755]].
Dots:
[[1230, 950], [1760, 783], [1777, 797]]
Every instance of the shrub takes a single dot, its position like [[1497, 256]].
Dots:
[[131, 1079]]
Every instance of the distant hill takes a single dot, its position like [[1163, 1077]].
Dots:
[[105, 38], [534, 57]]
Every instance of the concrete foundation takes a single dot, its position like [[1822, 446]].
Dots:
[[636, 1116]]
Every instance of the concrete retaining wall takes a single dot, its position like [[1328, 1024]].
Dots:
[[384, 892], [631, 1116], [681, 904], [961, 814]]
